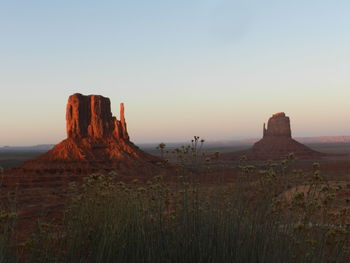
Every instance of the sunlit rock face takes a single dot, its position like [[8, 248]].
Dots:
[[277, 142], [91, 116], [96, 141]]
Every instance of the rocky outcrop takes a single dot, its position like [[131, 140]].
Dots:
[[90, 116], [96, 142], [278, 126], [277, 143]]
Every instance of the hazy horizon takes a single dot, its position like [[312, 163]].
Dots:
[[238, 139], [217, 69]]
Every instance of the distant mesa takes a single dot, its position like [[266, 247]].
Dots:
[[277, 142], [96, 142]]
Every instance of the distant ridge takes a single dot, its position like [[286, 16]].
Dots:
[[211, 143], [40, 147], [317, 139], [324, 139]]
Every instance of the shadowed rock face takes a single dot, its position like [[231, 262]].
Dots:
[[278, 126], [96, 141], [277, 142]]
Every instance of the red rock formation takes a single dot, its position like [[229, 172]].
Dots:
[[89, 116], [278, 126], [277, 142], [96, 141]]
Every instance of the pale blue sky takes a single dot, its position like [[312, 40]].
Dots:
[[214, 68]]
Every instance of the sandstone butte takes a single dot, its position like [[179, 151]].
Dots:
[[277, 142], [96, 142]]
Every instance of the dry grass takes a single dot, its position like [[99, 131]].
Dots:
[[268, 214]]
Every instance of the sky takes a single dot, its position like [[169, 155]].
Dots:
[[213, 68]]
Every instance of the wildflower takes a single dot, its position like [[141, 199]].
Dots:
[[121, 184], [316, 166], [141, 189], [299, 226], [113, 173], [158, 177], [325, 188], [243, 158], [8, 216], [161, 146], [291, 156]]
